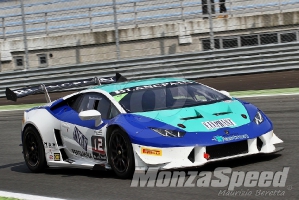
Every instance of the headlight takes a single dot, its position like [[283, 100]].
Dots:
[[169, 133], [258, 118]]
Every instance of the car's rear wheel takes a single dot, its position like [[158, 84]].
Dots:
[[120, 154], [33, 149]]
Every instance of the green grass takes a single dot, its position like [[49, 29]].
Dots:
[[234, 94], [20, 107], [8, 198]]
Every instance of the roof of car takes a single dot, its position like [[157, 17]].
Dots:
[[128, 84]]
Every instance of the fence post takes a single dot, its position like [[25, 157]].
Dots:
[[182, 11], [3, 30], [230, 8], [90, 19], [279, 3], [46, 23], [24, 36], [0, 60], [212, 44], [135, 13], [3, 27], [183, 17], [116, 30]]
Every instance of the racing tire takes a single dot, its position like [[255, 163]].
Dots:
[[33, 150], [120, 154]]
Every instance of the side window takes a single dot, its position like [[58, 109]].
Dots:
[[103, 106], [96, 101], [114, 112], [85, 103], [75, 101], [90, 101]]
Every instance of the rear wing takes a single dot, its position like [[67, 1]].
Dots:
[[13, 95]]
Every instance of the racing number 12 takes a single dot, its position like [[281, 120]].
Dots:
[[97, 144]]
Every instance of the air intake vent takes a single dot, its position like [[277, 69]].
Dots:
[[222, 113], [195, 117], [229, 149], [63, 154], [259, 143], [191, 156], [58, 137]]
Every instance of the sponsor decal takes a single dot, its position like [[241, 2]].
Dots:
[[50, 145], [144, 87], [80, 138], [51, 157], [98, 132], [222, 123], [25, 91], [219, 138], [82, 153], [56, 156], [49, 150], [152, 152], [98, 147], [221, 177]]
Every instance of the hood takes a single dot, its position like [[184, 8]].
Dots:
[[138, 125], [203, 118]]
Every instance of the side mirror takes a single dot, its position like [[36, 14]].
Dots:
[[91, 115], [225, 93]]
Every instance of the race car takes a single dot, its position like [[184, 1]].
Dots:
[[121, 125]]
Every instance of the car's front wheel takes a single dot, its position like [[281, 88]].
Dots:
[[120, 154], [33, 149]]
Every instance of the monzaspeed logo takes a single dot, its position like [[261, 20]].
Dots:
[[220, 177]]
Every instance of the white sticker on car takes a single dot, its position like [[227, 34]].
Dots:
[[222, 123]]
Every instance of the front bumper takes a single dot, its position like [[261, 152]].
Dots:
[[185, 157]]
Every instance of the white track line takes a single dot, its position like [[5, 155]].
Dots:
[[267, 95], [25, 196], [12, 110]]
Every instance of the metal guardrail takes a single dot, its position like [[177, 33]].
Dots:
[[189, 65]]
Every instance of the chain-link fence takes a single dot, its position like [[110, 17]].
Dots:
[[44, 33]]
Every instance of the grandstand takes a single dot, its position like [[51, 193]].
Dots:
[[45, 16], [64, 32]]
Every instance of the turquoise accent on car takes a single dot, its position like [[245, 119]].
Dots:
[[193, 117], [122, 85], [218, 138]]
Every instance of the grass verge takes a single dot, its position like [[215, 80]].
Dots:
[[20, 107], [8, 198], [265, 92]]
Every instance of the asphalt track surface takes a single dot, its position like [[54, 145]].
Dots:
[[86, 184]]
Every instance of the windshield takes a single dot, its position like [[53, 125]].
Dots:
[[167, 96]]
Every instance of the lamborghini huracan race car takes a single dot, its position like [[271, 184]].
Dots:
[[122, 125]]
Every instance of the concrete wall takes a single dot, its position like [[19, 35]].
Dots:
[[143, 41]]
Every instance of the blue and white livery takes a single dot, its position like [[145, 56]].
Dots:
[[167, 123]]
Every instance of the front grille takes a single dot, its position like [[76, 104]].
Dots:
[[229, 149], [259, 143]]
